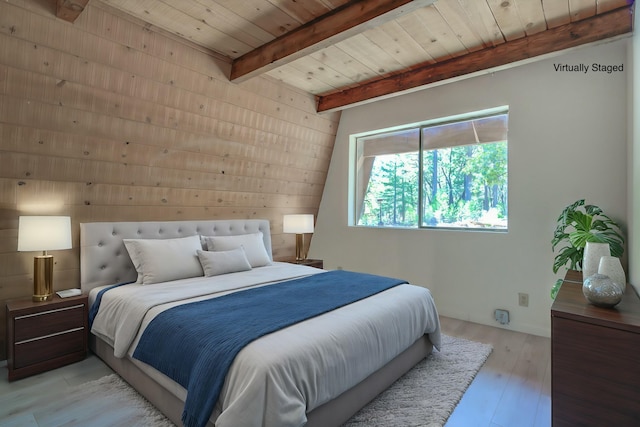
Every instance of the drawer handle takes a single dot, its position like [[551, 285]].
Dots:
[[57, 310], [50, 335]]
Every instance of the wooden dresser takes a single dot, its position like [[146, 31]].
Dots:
[[595, 359]]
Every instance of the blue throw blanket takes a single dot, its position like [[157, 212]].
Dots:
[[196, 343]]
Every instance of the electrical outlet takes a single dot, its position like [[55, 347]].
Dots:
[[502, 316], [523, 299]]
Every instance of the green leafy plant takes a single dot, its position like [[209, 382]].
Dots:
[[578, 224]]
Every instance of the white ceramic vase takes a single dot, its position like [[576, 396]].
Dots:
[[591, 257], [611, 266]]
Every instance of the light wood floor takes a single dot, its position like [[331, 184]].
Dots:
[[512, 389]]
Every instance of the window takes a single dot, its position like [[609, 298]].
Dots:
[[449, 173]]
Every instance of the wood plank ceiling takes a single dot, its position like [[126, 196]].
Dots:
[[348, 52]]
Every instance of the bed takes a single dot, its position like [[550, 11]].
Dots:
[[317, 371]]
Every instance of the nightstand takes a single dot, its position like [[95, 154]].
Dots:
[[45, 335], [317, 263]]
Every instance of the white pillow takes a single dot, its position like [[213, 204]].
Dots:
[[161, 260], [252, 244], [223, 262]]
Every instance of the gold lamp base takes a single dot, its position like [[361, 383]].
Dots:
[[43, 278], [300, 255]]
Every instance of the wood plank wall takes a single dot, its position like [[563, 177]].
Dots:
[[107, 120]]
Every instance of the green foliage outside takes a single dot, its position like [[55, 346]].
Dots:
[[463, 186]]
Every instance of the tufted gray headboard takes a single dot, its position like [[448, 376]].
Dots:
[[105, 261]]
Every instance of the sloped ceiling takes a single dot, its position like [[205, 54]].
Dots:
[[348, 52]]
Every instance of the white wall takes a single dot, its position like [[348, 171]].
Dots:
[[634, 157], [567, 140]]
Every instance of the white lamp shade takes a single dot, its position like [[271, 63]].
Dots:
[[44, 233], [299, 223]]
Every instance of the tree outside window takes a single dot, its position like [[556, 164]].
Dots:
[[451, 174]]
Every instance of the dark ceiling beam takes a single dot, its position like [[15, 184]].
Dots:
[[69, 10], [599, 27], [341, 23]]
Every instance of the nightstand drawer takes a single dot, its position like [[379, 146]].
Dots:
[[42, 349], [48, 322]]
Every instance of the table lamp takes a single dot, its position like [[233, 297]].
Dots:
[[298, 224], [43, 233]]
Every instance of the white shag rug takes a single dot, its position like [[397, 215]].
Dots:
[[113, 392], [427, 394], [423, 397]]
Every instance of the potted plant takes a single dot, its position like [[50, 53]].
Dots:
[[578, 224]]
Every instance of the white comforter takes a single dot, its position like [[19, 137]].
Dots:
[[277, 379]]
